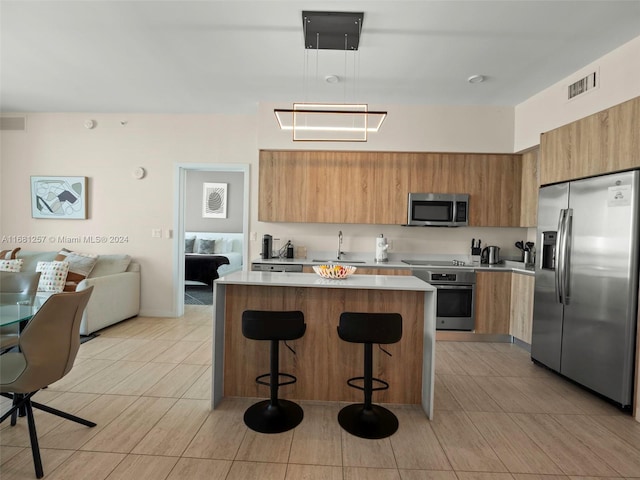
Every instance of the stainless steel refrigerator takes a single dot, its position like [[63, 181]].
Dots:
[[586, 288]]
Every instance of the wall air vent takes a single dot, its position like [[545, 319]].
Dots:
[[585, 84], [13, 124]]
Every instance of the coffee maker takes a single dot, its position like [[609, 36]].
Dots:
[[267, 246]]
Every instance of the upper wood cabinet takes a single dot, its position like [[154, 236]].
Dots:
[[607, 141], [372, 187], [529, 189]]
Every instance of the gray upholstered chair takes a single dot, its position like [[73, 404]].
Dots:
[[12, 282], [48, 347]]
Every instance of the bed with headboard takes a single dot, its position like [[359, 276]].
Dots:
[[211, 255]]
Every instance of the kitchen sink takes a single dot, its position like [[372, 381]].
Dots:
[[347, 262]]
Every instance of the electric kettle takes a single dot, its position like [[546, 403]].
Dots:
[[490, 255]]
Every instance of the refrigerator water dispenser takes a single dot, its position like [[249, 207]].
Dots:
[[549, 250]]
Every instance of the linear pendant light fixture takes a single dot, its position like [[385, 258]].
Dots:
[[341, 122]]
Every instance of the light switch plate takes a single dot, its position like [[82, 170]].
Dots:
[[156, 233]]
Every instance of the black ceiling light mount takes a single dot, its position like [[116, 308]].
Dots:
[[342, 122], [327, 30]]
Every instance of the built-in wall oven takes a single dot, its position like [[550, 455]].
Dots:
[[455, 306]]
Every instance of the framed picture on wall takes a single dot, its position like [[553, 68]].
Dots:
[[59, 197], [214, 200]]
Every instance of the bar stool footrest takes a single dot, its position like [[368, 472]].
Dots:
[[351, 383], [268, 375], [374, 423], [265, 417]]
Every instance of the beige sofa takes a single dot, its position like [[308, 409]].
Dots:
[[116, 295]]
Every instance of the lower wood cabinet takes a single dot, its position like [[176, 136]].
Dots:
[[383, 271], [521, 314], [493, 299], [504, 304]]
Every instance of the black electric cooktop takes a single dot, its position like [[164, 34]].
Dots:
[[435, 263]]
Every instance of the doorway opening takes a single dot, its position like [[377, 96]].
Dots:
[[198, 216]]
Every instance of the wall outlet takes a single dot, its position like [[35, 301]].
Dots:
[[254, 236], [390, 245]]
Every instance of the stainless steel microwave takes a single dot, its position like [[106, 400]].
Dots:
[[438, 209]]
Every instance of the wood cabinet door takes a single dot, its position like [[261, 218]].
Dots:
[[383, 271], [283, 186], [529, 189], [493, 182], [605, 142], [521, 312], [493, 298], [391, 188]]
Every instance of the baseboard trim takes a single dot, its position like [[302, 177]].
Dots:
[[453, 336]]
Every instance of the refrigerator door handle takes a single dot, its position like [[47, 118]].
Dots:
[[559, 260], [566, 256]]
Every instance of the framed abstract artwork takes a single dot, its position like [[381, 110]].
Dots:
[[214, 200], [59, 197]]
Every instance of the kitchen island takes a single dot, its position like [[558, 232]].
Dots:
[[323, 362]]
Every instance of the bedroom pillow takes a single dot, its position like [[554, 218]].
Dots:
[[53, 276], [11, 265], [189, 244], [222, 245], [206, 246], [80, 266]]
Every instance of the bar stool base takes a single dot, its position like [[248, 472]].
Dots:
[[378, 422], [266, 418]]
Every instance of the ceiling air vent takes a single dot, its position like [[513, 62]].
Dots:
[[13, 124], [583, 85]]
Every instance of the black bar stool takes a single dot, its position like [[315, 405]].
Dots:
[[274, 415], [366, 420]]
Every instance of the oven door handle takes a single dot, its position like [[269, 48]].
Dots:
[[452, 287]]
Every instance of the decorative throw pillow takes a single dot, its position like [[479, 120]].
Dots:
[[206, 246], [53, 276], [222, 245], [11, 265], [110, 265], [188, 244], [9, 254], [80, 266]]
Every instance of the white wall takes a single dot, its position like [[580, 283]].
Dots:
[[58, 144], [425, 128], [619, 74]]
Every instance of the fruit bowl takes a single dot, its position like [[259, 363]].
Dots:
[[334, 271]]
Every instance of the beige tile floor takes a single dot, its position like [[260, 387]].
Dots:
[[146, 382]]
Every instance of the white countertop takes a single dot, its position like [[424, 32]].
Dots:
[[285, 279], [507, 266]]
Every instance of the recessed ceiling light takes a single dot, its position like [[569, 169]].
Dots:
[[476, 79], [332, 79]]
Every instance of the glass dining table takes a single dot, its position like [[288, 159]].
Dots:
[[18, 308]]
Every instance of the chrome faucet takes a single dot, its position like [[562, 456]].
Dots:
[[340, 252]]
